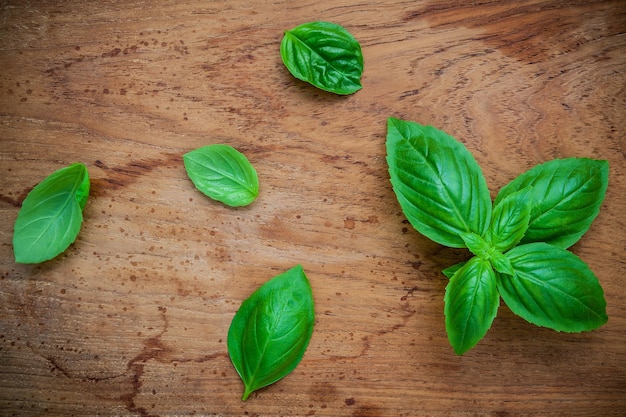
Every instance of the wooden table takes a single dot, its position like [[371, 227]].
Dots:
[[132, 319]]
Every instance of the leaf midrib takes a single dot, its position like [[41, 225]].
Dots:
[[268, 340], [240, 180]]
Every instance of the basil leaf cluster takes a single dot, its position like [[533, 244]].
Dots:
[[323, 54], [223, 173], [272, 329], [51, 215], [519, 243]]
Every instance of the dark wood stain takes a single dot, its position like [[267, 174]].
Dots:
[[121, 176]]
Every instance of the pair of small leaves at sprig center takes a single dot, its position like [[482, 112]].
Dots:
[[223, 173], [519, 242], [271, 330], [325, 55], [51, 215]]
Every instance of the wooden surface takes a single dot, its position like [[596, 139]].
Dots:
[[132, 319]]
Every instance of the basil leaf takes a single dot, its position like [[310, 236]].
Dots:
[[438, 183], [51, 215], [477, 245], [566, 196], [471, 304], [325, 55], [510, 220], [501, 263], [271, 331], [451, 270], [554, 288], [223, 174]]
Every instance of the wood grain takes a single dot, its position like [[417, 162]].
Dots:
[[132, 319]]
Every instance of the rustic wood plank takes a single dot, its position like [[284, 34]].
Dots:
[[132, 319]]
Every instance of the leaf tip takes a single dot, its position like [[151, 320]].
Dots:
[[391, 121], [460, 350]]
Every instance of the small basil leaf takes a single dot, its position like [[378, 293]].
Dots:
[[566, 196], [554, 288], [51, 215], [223, 174], [438, 183], [501, 263], [451, 270], [471, 304], [510, 220], [271, 331], [325, 55], [476, 244]]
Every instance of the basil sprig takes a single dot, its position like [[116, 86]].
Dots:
[[518, 246], [223, 173], [51, 215], [323, 54], [271, 331]]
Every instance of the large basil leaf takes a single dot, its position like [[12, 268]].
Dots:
[[325, 55], [471, 304], [223, 173], [566, 196], [51, 215], [438, 183], [271, 331], [554, 288], [509, 220]]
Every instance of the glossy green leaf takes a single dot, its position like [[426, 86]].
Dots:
[[325, 55], [223, 174], [501, 263], [510, 220], [554, 288], [271, 331], [451, 270], [438, 183], [566, 196], [51, 215], [471, 304], [476, 244]]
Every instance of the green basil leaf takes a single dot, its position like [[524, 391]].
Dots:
[[477, 245], [51, 215], [554, 288], [438, 183], [501, 263], [223, 173], [471, 304], [271, 331], [451, 270], [325, 55], [566, 195], [510, 220]]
